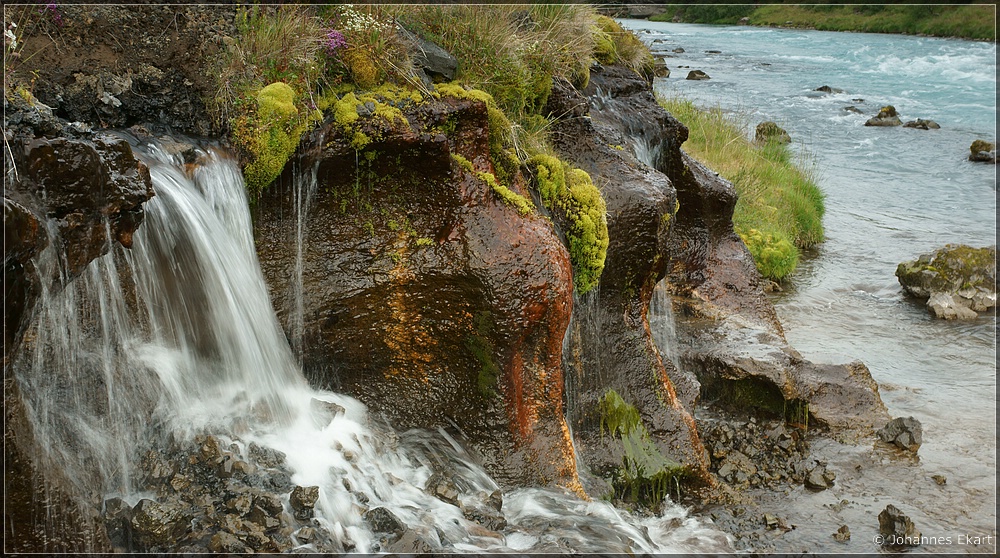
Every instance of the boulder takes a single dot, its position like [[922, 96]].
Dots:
[[922, 124], [660, 69], [819, 478], [828, 89], [437, 64], [302, 500], [678, 50], [743, 21], [896, 529], [159, 525], [958, 281], [906, 433], [853, 109], [770, 131], [697, 75], [887, 116], [983, 152]]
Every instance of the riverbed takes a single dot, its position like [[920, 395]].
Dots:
[[891, 195]]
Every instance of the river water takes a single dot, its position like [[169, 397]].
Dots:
[[891, 195]]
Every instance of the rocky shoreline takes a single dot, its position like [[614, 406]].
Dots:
[[740, 413]]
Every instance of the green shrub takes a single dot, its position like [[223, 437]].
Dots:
[[571, 192]]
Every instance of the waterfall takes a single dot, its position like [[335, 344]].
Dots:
[[177, 338], [661, 324], [304, 188]]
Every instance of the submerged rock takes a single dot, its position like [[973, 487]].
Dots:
[[906, 433], [828, 89], [922, 124], [958, 281], [843, 534], [819, 478], [887, 116]]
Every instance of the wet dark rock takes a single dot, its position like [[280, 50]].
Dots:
[[156, 525], [678, 50], [660, 68], [382, 520], [958, 281], [410, 543], [270, 503], [906, 433], [896, 529], [697, 75], [887, 116], [770, 131], [264, 456], [439, 486], [828, 89], [495, 500], [940, 480], [713, 52], [118, 521], [843, 534], [983, 152], [774, 522], [853, 109], [267, 520], [484, 515], [228, 543], [302, 500], [756, 454], [922, 124], [446, 304]]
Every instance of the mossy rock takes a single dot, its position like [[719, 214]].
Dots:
[[887, 116], [955, 269], [770, 131]]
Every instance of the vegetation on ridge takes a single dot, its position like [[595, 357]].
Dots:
[[780, 207], [970, 21]]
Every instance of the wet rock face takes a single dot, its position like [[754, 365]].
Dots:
[[958, 281], [610, 346], [66, 190], [427, 296]]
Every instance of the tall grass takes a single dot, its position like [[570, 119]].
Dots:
[[780, 207]]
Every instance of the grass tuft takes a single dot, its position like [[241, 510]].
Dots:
[[780, 207]]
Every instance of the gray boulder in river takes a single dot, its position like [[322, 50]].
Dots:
[[958, 281], [983, 152]]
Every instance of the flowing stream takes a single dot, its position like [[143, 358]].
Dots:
[[176, 337], [891, 195]]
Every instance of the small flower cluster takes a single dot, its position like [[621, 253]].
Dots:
[[334, 41], [9, 38], [56, 16], [355, 21]]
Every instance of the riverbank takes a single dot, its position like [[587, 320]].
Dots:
[[975, 21]]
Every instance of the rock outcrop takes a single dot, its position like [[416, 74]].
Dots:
[[427, 295], [72, 192], [958, 281]]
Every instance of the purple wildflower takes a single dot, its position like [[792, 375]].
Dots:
[[54, 12], [334, 40]]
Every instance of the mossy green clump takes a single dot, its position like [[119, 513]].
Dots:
[[384, 103], [571, 192], [614, 44], [269, 133], [646, 475], [510, 197], [482, 349], [774, 254]]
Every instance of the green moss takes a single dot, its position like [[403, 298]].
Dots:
[[482, 349], [572, 193], [269, 133], [510, 197], [645, 475]]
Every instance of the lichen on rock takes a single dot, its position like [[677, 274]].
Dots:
[[958, 281]]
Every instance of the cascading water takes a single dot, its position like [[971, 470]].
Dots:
[[176, 340], [661, 324]]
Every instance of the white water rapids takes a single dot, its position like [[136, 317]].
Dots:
[[177, 337]]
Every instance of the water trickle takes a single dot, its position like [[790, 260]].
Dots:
[[176, 339], [661, 323], [304, 189]]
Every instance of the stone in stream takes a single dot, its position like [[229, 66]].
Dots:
[[843, 534], [853, 109], [118, 521], [157, 525], [907, 433], [697, 75], [819, 478], [957, 280], [897, 530], [941, 480], [922, 124], [885, 117], [382, 520], [983, 152], [441, 488], [828, 89], [302, 500]]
